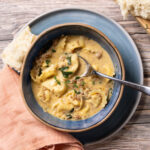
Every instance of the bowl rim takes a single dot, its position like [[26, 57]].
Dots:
[[122, 75]]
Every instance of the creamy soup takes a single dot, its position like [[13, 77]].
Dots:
[[56, 81]]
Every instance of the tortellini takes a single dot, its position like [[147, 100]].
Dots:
[[42, 75], [44, 95], [93, 48], [52, 85], [60, 44], [56, 81], [74, 43]]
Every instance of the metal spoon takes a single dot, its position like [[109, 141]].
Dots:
[[91, 71]]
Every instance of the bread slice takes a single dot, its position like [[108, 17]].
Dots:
[[14, 53], [135, 7]]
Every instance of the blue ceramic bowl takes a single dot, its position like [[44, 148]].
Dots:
[[43, 41]]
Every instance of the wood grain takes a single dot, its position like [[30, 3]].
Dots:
[[131, 137], [15, 13]]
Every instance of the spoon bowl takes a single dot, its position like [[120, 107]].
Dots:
[[90, 71]]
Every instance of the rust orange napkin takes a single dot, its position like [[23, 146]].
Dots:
[[18, 129]]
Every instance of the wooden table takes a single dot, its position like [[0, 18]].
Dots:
[[15, 13]]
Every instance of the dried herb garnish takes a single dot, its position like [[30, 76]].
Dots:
[[100, 82], [82, 83], [69, 116], [69, 60], [53, 50], [63, 68], [72, 110], [40, 72], [77, 77], [47, 62], [75, 85], [93, 82], [58, 82], [65, 73], [77, 92], [67, 81]]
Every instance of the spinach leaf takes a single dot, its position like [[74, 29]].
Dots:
[[53, 50], [69, 60], [58, 82], [67, 81], [77, 77], [77, 92], [40, 72], [47, 62], [72, 110], [75, 85], [65, 73], [69, 116]]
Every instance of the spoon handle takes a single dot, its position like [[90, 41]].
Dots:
[[142, 88]]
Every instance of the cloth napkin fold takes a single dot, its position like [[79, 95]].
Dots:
[[19, 130]]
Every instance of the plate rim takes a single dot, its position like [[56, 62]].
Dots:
[[132, 43]]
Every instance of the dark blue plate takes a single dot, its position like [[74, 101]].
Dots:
[[128, 51]]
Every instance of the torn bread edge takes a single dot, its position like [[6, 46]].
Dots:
[[139, 8], [13, 55]]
